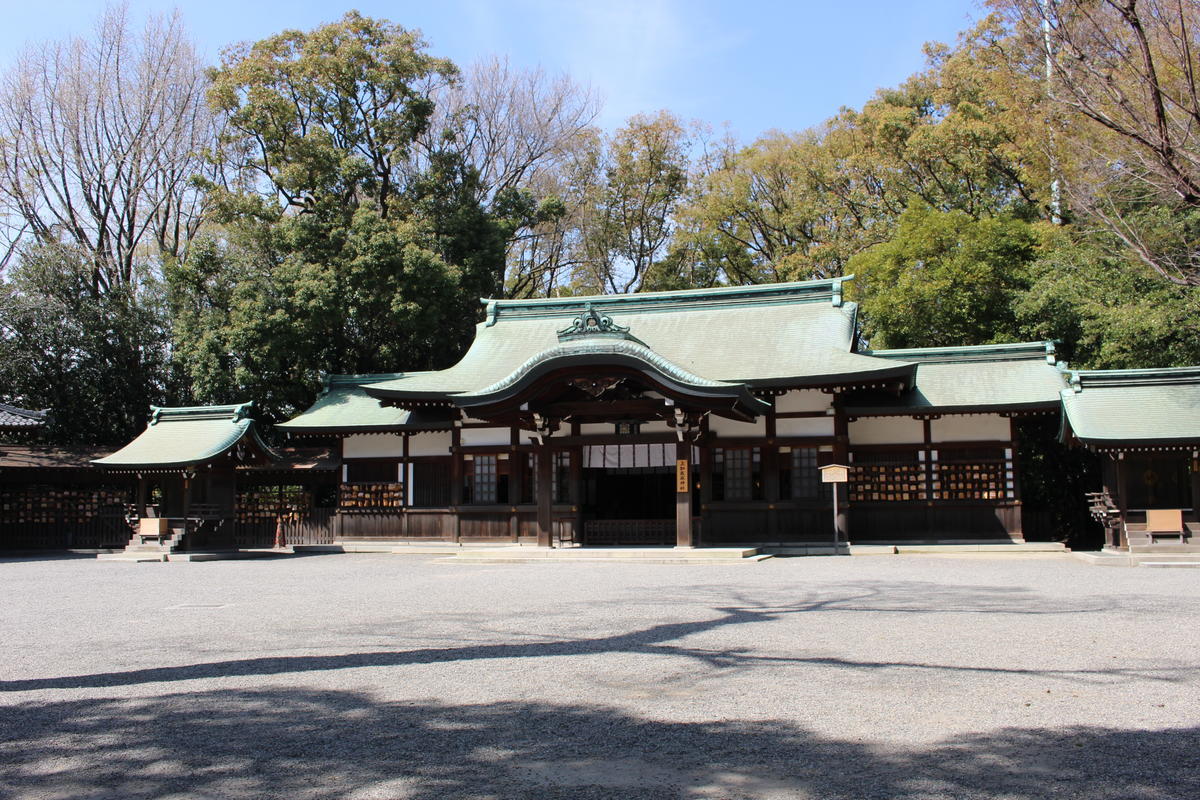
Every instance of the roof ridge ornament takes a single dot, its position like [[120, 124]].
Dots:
[[592, 323]]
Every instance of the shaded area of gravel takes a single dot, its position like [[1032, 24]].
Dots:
[[402, 677]]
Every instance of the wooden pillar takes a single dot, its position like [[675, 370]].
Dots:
[[187, 498], [841, 455], [683, 494], [1119, 536], [1195, 474], [142, 488], [515, 473], [927, 424], [545, 496], [576, 490], [405, 479], [456, 478], [1018, 519], [770, 475]]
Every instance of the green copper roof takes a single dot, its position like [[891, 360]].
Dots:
[[180, 437], [769, 335], [1022, 376], [343, 406], [612, 351], [1145, 407]]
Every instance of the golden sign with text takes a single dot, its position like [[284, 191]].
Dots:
[[681, 476]]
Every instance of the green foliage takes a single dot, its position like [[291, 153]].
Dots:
[[945, 279], [1110, 312], [351, 254], [97, 360]]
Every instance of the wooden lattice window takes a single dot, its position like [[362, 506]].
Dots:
[[484, 480], [431, 483], [887, 477], [805, 477], [737, 474], [980, 473]]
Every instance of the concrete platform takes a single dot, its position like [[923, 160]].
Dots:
[[629, 555], [1121, 558], [957, 548]]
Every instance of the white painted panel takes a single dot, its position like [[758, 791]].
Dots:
[[433, 443], [804, 426], [596, 429], [474, 437], [728, 427], [971, 428], [525, 437], [803, 400], [656, 426], [887, 430], [373, 445]]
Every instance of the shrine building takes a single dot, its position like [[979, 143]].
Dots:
[[687, 418]]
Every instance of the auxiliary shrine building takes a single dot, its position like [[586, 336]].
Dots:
[[690, 418]]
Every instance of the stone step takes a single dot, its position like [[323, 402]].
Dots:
[[516, 559], [638, 555]]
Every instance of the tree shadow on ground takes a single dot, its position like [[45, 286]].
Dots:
[[297, 743], [658, 640]]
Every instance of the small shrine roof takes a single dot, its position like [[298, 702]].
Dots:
[[1133, 407], [13, 418], [1009, 377], [191, 436], [345, 407]]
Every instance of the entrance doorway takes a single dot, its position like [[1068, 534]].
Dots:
[[629, 494]]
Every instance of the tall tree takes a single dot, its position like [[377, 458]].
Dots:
[[100, 138], [97, 361], [1125, 88], [352, 250]]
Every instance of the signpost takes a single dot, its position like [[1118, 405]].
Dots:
[[835, 474]]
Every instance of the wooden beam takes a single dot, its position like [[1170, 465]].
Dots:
[[545, 496], [683, 494]]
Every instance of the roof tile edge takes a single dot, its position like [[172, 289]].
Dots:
[[829, 289]]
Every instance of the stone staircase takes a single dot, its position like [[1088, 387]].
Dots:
[[145, 547]]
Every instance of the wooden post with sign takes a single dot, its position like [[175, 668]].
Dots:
[[835, 474], [683, 494]]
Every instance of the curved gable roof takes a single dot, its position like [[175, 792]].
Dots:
[[190, 436], [767, 335]]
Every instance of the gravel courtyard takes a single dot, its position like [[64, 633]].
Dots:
[[380, 676]]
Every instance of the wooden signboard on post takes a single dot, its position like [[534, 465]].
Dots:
[[682, 484], [835, 474]]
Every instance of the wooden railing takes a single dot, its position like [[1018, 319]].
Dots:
[[628, 532]]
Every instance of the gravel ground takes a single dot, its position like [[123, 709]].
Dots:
[[379, 676]]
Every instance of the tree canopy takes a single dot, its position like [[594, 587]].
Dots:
[[337, 200]]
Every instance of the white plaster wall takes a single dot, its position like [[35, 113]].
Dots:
[[432, 443], [887, 430], [373, 445], [474, 437], [728, 427], [595, 429], [804, 426], [971, 428], [656, 426], [803, 400]]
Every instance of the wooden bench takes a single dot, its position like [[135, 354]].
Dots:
[[1165, 522]]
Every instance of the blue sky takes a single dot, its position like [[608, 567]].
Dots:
[[754, 65]]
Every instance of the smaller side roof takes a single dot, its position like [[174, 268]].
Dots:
[[13, 418], [1024, 376], [345, 407], [184, 437], [1132, 408]]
